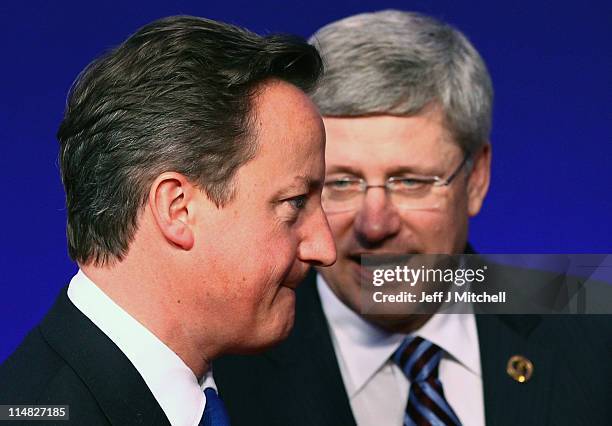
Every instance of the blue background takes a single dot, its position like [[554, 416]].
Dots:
[[552, 71]]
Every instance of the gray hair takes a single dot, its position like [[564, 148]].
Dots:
[[399, 63]]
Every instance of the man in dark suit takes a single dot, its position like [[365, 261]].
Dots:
[[406, 102], [183, 170]]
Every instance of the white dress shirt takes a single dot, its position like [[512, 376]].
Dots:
[[172, 383], [377, 388]]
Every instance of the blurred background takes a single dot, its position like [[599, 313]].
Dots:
[[551, 65]]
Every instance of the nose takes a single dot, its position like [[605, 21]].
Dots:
[[377, 220], [317, 246]]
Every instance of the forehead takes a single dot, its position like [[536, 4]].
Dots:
[[388, 142], [290, 136]]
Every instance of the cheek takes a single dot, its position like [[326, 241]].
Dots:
[[272, 260], [341, 225], [435, 232]]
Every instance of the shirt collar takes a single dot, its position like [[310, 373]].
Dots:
[[365, 348], [172, 383]]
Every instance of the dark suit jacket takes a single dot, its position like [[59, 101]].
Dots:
[[66, 359], [299, 382]]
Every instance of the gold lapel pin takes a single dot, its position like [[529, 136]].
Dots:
[[519, 368]]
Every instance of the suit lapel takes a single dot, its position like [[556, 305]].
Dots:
[[117, 386], [307, 360], [506, 400]]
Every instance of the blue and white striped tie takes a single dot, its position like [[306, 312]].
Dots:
[[419, 359]]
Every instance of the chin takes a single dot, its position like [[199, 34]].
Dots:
[[283, 319], [284, 316], [274, 329], [270, 340], [282, 334], [395, 323]]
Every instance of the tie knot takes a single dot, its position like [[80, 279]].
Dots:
[[215, 413], [418, 358]]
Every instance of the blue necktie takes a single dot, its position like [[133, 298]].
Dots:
[[215, 413], [427, 406]]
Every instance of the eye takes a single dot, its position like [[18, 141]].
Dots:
[[342, 184], [298, 202], [407, 183]]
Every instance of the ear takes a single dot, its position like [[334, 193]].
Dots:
[[169, 199], [478, 182]]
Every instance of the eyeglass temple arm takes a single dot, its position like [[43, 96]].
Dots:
[[466, 159]]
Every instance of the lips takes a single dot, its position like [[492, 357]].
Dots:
[[363, 263], [294, 279], [378, 259], [292, 285], [360, 273]]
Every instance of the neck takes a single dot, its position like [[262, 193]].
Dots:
[[149, 298], [404, 324]]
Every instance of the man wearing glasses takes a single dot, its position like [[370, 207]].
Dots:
[[406, 102]]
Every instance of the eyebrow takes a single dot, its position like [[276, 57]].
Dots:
[[343, 169], [299, 182], [399, 170], [308, 181], [407, 170]]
